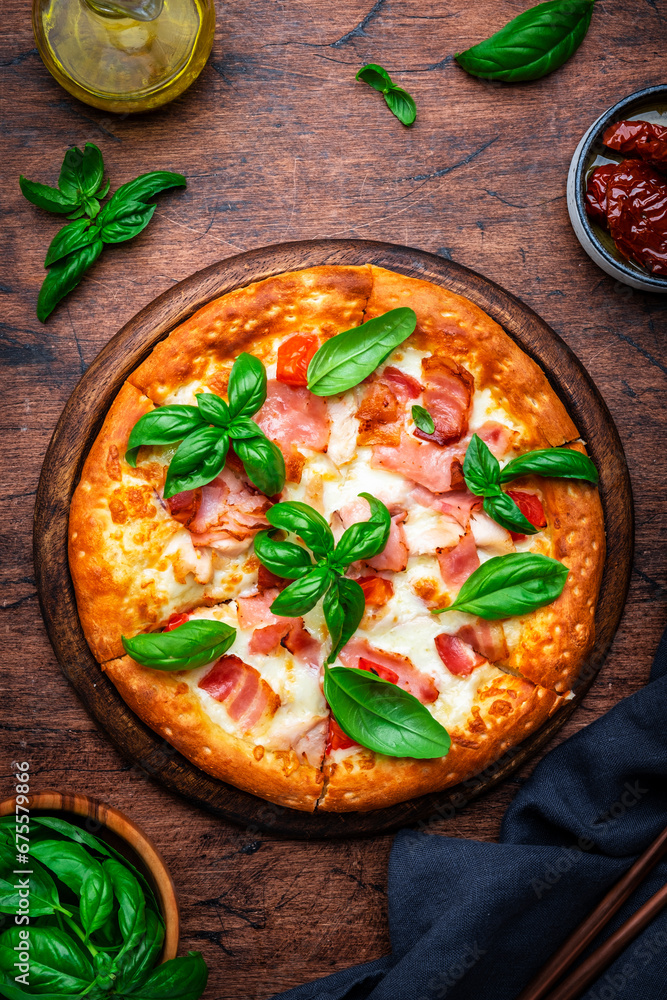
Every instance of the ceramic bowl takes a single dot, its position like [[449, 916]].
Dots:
[[649, 104], [116, 829]]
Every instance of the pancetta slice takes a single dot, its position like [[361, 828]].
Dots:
[[459, 562], [447, 397], [408, 676], [422, 462], [486, 638], [245, 694], [229, 514], [459, 657], [294, 417]]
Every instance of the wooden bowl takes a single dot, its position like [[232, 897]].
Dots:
[[116, 829]]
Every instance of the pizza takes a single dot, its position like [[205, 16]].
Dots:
[[338, 540]]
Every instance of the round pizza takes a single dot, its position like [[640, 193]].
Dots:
[[338, 540]]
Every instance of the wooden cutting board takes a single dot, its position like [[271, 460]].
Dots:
[[81, 421]]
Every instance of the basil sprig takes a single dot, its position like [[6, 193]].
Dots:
[[400, 103], [483, 477], [383, 717], [510, 585], [423, 419], [348, 358], [190, 645], [344, 600], [206, 430], [78, 195], [95, 925], [531, 45]]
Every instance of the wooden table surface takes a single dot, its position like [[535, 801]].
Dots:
[[279, 143]]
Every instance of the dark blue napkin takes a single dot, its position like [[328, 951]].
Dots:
[[476, 921]]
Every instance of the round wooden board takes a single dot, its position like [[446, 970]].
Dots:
[[81, 421]]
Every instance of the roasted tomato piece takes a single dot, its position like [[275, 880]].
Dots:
[[294, 356], [376, 668], [337, 739], [176, 620], [531, 507], [377, 590]]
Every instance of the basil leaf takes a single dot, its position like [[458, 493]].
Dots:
[[561, 463], [381, 716], [182, 978], [481, 469], [509, 585], [136, 964], [126, 223], [348, 358], [282, 558], [96, 900], [198, 460], [247, 386], [68, 862], [507, 513], [44, 897], [64, 276], [303, 594], [57, 962], [244, 427], [70, 831], [423, 419], [104, 190], [190, 645], [213, 409], [70, 181], [376, 77], [344, 605], [78, 234], [92, 170], [402, 105], [304, 521], [533, 44], [91, 206], [164, 425], [131, 902], [144, 187], [263, 462], [366, 538], [48, 198]]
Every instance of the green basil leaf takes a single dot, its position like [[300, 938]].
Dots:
[[401, 104], [348, 358], [263, 462], [304, 521], [192, 644], [70, 181], [510, 585], [561, 463], [178, 979], [57, 963], [282, 558], [164, 425], [48, 198], [533, 44], [68, 862], [303, 594], [247, 386], [127, 222], [481, 469], [96, 900], [70, 238], [136, 964], [104, 190], [423, 419], [144, 187], [383, 717], [366, 538], [131, 902], [77, 213], [198, 460], [376, 77], [213, 409], [244, 427], [92, 207], [64, 276], [91, 170], [43, 897], [506, 512], [344, 605]]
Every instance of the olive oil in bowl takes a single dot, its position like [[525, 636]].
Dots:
[[124, 55]]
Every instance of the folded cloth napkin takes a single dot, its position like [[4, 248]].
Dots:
[[476, 921]]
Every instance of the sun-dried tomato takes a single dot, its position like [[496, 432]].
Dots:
[[645, 140], [637, 214]]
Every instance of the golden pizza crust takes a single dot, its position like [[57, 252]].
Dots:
[[505, 711], [165, 703]]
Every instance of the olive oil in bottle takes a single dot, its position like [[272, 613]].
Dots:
[[124, 55]]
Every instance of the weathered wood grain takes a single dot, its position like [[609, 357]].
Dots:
[[278, 143]]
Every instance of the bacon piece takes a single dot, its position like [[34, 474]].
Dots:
[[337, 739], [240, 687], [230, 514], [458, 479], [377, 590], [421, 461], [183, 506], [496, 437], [404, 386], [486, 638], [531, 507], [175, 620], [459, 504], [394, 556], [294, 356], [303, 645], [378, 414], [447, 397], [376, 668], [293, 416], [459, 658], [459, 562], [266, 580], [256, 610], [265, 640], [409, 677]]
